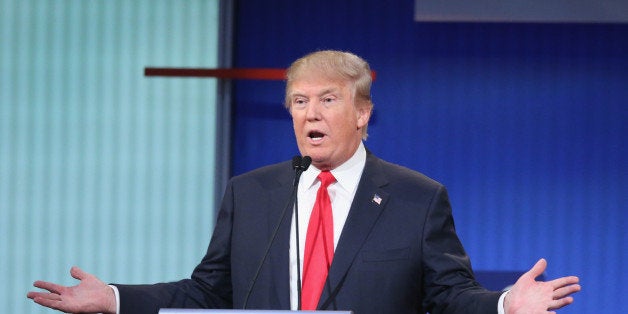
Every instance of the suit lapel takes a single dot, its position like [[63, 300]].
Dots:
[[278, 258], [369, 202]]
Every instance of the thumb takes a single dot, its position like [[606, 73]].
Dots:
[[78, 273], [538, 268]]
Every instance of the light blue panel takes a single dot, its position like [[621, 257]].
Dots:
[[100, 166]]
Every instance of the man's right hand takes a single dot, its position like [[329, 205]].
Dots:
[[90, 296]]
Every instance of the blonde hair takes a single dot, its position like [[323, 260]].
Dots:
[[336, 65]]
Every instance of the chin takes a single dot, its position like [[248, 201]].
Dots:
[[314, 153], [317, 161], [320, 158]]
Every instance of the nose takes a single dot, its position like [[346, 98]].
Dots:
[[313, 111]]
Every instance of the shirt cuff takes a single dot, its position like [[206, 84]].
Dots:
[[117, 293], [500, 303]]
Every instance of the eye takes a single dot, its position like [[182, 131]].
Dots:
[[299, 102], [328, 99]]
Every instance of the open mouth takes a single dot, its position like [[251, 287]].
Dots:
[[316, 135]]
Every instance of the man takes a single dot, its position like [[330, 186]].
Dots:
[[388, 243]]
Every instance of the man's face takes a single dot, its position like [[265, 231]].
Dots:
[[327, 124]]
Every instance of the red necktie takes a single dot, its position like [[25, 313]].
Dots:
[[319, 245]]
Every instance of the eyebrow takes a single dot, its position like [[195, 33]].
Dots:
[[329, 90]]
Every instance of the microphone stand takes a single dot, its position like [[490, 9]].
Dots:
[[307, 160]]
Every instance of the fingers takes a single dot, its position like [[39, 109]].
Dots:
[[564, 281], [557, 304], [538, 268], [48, 302], [564, 287], [52, 287], [43, 295], [78, 273], [566, 291], [51, 300]]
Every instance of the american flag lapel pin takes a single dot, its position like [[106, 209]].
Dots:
[[377, 199]]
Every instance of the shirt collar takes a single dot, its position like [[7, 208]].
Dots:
[[347, 174]]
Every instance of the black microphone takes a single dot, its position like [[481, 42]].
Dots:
[[299, 164]]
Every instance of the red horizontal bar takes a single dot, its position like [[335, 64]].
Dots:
[[246, 74], [250, 74]]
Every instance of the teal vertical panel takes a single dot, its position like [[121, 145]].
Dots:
[[100, 166]]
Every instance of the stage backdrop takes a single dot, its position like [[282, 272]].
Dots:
[[100, 166], [526, 124]]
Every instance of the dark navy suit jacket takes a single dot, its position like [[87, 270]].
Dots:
[[398, 251]]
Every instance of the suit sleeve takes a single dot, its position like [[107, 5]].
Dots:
[[449, 283], [209, 285]]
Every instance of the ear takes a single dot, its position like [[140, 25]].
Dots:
[[364, 114]]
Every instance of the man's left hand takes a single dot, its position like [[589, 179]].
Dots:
[[530, 296]]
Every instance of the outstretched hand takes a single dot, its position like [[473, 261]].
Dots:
[[90, 296], [530, 296]]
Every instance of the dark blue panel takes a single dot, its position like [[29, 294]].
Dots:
[[525, 124]]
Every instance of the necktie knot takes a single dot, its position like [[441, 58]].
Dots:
[[326, 178]]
